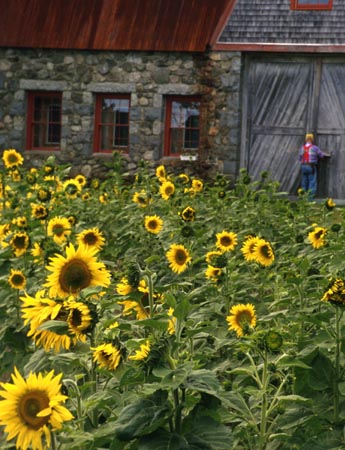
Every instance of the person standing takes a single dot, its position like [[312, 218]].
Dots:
[[309, 156]]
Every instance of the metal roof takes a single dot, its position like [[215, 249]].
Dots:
[[143, 25]]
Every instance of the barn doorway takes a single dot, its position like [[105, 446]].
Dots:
[[283, 97]]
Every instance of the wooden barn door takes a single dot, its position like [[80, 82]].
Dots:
[[283, 98]]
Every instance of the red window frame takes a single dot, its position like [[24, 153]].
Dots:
[[118, 139], [190, 133], [312, 5], [43, 120]]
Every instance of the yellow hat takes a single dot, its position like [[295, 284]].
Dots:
[[309, 136]]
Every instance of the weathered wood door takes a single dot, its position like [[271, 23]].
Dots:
[[283, 98]]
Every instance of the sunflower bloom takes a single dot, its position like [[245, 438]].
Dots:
[[92, 237], [141, 198], [226, 241], [17, 279], [317, 237], [81, 179], [142, 353], [167, 189], [31, 407], [197, 185], [213, 273], [248, 248], [153, 224], [40, 309], [188, 214], [107, 356], [20, 242], [72, 188], [79, 318], [172, 321], [12, 158], [335, 293], [59, 228], [161, 173], [178, 257], [77, 270], [242, 317], [263, 252], [39, 211]]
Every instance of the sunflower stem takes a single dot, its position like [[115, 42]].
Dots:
[[264, 405], [337, 364], [53, 443]]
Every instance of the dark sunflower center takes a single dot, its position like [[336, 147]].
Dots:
[[71, 189], [30, 405], [153, 224], [90, 239], [13, 159], [76, 318], [265, 251], [58, 229], [169, 190], [180, 257], [225, 241], [244, 318], [17, 279], [319, 234], [75, 275], [19, 242]]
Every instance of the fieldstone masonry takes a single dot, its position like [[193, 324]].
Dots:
[[147, 77]]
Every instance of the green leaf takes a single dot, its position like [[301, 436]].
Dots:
[[56, 326], [182, 309], [209, 433], [163, 440], [143, 416], [203, 381]]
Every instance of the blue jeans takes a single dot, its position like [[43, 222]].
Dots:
[[309, 179]]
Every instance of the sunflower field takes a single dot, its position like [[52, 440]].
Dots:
[[161, 311]]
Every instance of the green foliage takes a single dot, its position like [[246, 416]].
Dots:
[[185, 378]]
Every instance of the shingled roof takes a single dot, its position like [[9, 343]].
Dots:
[[274, 22], [148, 25]]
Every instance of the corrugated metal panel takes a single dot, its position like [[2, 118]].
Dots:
[[150, 25]]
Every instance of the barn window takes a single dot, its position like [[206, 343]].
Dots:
[[311, 4], [111, 123], [44, 120], [182, 127]]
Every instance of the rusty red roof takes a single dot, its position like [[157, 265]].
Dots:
[[147, 25]]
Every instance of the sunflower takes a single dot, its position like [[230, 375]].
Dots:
[[71, 188], [107, 356], [130, 306], [40, 309], [31, 407], [92, 237], [12, 158], [242, 317], [317, 237], [43, 195], [172, 321], [38, 211], [17, 279], [330, 204], [59, 228], [78, 270], [335, 293], [213, 273], [103, 198], [248, 248], [81, 179], [141, 198], [142, 352], [183, 178], [178, 257], [226, 241], [211, 256], [161, 173], [123, 287], [79, 318], [167, 189], [263, 252], [188, 214], [21, 222], [153, 224], [37, 251], [197, 185], [20, 242]]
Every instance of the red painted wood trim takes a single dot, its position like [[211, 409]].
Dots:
[[223, 20], [310, 7], [291, 48]]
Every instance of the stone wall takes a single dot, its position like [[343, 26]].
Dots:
[[147, 77]]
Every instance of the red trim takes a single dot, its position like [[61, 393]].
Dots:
[[98, 124], [167, 134], [223, 20], [30, 118], [266, 47], [297, 6]]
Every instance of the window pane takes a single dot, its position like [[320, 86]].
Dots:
[[114, 123], [312, 2], [46, 117], [184, 126]]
